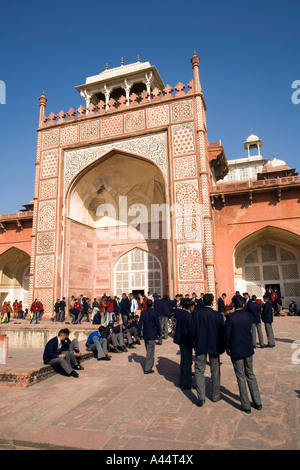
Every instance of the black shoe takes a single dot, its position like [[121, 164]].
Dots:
[[74, 374], [257, 407], [262, 346], [246, 411], [116, 350], [132, 346], [79, 368], [149, 371], [200, 402], [105, 358]]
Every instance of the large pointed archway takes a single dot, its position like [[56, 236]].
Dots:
[[269, 257], [114, 206], [14, 276]]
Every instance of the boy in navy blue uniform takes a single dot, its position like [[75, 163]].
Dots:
[[184, 337], [149, 328], [255, 309], [239, 346], [267, 318], [209, 326]]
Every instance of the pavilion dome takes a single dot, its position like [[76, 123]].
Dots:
[[276, 162], [252, 138]]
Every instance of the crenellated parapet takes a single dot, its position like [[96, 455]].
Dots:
[[116, 105]]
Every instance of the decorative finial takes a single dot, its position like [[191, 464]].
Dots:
[[138, 58], [106, 68], [122, 61]]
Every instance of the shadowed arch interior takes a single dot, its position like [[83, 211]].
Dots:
[[114, 206]]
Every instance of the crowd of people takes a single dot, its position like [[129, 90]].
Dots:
[[201, 331]]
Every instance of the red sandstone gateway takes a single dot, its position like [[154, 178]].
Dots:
[[130, 196]]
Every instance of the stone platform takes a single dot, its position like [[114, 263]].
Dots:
[[113, 406]]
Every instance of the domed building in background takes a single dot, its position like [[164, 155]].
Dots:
[[130, 196]]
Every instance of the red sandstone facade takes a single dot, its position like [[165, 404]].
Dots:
[[151, 147]]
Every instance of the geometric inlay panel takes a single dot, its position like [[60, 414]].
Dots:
[[187, 197], [190, 261], [50, 139], [89, 130], [48, 188], [111, 126], [49, 164], [185, 167], [183, 139], [46, 297], [47, 215], [182, 111], [188, 229], [158, 116], [45, 242], [134, 121], [69, 135], [191, 288], [44, 271]]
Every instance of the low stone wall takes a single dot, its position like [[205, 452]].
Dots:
[[36, 338]]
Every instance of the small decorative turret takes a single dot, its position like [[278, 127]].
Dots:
[[43, 101]]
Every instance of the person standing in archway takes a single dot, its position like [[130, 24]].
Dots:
[[267, 318], [149, 329], [239, 346]]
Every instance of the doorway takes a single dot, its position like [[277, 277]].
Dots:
[[274, 287]]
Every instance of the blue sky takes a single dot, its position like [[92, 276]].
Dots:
[[249, 55]]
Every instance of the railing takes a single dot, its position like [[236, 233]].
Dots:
[[254, 184], [16, 215], [117, 105]]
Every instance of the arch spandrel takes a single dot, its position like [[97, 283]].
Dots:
[[152, 147]]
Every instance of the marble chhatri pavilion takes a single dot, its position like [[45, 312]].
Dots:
[[131, 196]]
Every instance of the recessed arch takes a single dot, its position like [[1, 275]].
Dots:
[[270, 256], [14, 275], [116, 203]]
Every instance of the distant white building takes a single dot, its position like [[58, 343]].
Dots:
[[248, 168]]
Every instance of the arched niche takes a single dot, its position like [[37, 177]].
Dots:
[[115, 204], [14, 275], [269, 257]]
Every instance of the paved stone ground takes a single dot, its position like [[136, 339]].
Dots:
[[114, 406]]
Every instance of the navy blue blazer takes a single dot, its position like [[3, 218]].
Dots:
[[237, 333], [209, 325], [221, 304], [150, 325], [255, 309], [51, 350], [184, 330], [115, 330], [125, 306], [163, 307], [267, 312]]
